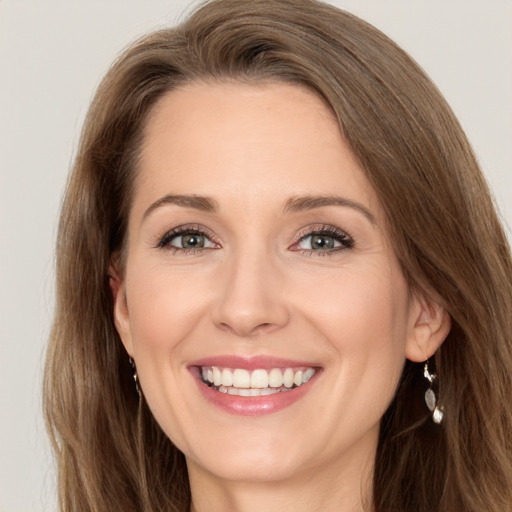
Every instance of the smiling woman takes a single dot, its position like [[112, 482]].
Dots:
[[297, 302], [270, 294]]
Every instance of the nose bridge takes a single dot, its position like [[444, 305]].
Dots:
[[251, 300]]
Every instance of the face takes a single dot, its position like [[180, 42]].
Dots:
[[258, 264]]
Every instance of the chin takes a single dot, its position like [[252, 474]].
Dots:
[[251, 465]]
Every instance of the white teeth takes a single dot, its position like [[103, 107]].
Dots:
[[288, 378], [248, 392], [259, 379], [241, 379], [256, 383], [275, 378], [217, 376], [227, 377], [307, 375]]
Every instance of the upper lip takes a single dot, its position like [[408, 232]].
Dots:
[[251, 362]]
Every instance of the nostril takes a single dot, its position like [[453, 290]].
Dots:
[[248, 330]]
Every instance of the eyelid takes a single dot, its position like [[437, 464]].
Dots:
[[345, 239], [163, 240], [342, 235]]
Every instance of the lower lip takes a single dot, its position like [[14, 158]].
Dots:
[[254, 405]]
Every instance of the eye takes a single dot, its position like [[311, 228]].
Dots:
[[326, 239], [319, 242], [186, 239], [190, 241]]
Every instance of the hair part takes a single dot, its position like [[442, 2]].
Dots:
[[111, 454]]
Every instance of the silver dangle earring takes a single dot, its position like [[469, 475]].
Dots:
[[430, 396], [135, 378]]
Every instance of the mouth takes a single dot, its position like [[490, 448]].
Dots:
[[253, 386], [257, 382]]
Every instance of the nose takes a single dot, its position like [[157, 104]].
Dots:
[[251, 296]]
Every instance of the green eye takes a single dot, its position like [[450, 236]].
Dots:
[[320, 242], [186, 239], [323, 242], [189, 241]]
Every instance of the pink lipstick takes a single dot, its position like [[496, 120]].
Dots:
[[253, 386]]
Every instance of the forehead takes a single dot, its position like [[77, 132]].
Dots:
[[232, 139]]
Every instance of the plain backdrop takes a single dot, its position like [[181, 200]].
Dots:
[[52, 56]]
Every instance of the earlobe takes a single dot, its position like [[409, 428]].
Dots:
[[120, 312], [430, 324]]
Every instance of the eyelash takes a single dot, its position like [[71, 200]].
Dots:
[[345, 239], [167, 238]]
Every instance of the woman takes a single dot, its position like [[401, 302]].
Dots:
[[281, 280]]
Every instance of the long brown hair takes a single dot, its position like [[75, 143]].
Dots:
[[111, 453]]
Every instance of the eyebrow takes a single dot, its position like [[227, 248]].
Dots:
[[201, 203], [302, 203], [294, 204]]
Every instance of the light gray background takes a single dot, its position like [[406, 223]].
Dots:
[[52, 55]]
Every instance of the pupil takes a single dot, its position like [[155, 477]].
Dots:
[[192, 241], [322, 242]]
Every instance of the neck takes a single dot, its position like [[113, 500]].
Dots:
[[344, 485]]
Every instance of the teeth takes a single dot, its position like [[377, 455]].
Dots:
[[288, 378], [241, 379], [217, 376], [307, 375], [259, 379], [260, 382], [227, 377], [247, 392], [275, 378]]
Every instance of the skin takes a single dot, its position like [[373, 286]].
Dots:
[[260, 288]]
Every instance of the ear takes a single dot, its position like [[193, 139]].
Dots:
[[121, 314], [429, 326]]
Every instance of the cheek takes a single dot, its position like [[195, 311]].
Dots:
[[364, 321], [359, 307], [163, 310], [162, 306]]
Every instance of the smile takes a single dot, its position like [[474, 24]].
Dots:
[[254, 386], [258, 382]]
